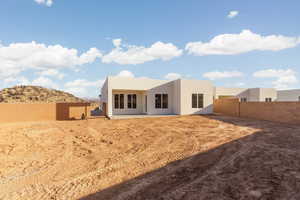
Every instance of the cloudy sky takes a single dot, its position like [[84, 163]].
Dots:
[[73, 45]]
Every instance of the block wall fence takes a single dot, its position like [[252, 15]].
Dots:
[[284, 112], [21, 112]]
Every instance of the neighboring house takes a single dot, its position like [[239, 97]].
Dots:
[[135, 96], [289, 95], [247, 94]]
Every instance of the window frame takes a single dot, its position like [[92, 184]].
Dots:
[[197, 100], [116, 101], [158, 101], [200, 96], [122, 101], [129, 101], [165, 101], [243, 99], [268, 99], [194, 100], [134, 101]]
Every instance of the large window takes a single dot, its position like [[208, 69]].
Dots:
[[161, 101], [197, 100], [119, 101], [131, 101], [157, 100]]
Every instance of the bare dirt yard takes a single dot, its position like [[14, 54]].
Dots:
[[189, 157]]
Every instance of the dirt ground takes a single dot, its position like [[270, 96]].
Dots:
[[188, 157]]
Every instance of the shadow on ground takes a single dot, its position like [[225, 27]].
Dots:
[[264, 165]]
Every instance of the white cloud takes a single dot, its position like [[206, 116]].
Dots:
[[232, 14], [21, 80], [45, 2], [126, 73], [84, 83], [130, 54], [52, 73], [78, 91], [285, 78], [83, 87], [173, 76], [219, 75], [18, 57], [246, 41], [117, 42], [44, 82]]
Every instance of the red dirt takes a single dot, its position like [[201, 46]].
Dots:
[[190, 157]]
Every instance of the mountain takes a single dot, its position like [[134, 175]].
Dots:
[[28, 94]]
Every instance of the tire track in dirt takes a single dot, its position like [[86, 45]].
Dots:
[[66, 188]]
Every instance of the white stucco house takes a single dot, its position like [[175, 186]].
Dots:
[[248, 94], [144, 96], [289, 95]]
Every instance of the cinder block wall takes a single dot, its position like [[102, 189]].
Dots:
[[227, 106], [22, 112], [285, 112], [17, 112]]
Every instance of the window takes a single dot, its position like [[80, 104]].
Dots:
[[194, 100], [157, 100], [119, 101], [197, 100], [268, 99], [243, 99], [131, 101], [165, 100], [161, 101], [134, 101], [200, 100]]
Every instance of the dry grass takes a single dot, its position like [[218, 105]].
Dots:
[[190, 157]]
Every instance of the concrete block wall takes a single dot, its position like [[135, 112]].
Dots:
[[284, 112]]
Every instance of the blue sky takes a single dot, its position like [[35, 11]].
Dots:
[[73, 45]]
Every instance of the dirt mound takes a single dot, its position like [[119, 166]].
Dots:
[[28, 94]]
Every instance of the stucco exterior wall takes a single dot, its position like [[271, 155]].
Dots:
[[252, 94], [288, 95], [126, 110], [125, 83], [167, 88], [267, 93], [234, 92], [187, 88]]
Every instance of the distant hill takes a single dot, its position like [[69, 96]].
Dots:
[[28, 94]]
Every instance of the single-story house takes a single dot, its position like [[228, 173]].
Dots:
[[247, 94], [289, 95], [144, 96]]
